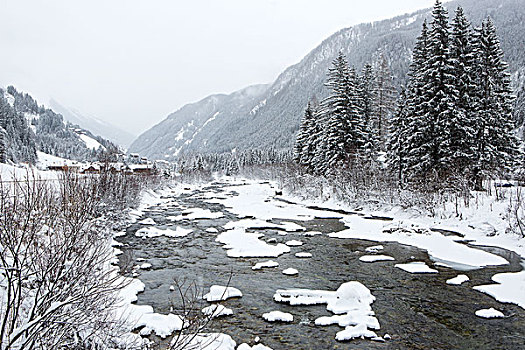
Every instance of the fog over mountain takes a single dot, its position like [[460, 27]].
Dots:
[[265, 116]]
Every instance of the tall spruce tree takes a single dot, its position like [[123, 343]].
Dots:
[[417, 106], [336, 107], [367, 90], [496, 146], [463, 121], [398, 136]]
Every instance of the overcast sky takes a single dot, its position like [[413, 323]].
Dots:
[[133, 62]]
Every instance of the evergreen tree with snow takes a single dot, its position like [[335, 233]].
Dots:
[[496, 146], [367, 90], [463, 122], [398, 136]]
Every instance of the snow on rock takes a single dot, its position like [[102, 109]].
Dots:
[[294, 243], [262, 224], [510, 288], [489, 313], [212, 230], [278, 316], [290, 272], [269, 263], [245, 346], [312, 233], [374, 249], [145, 266], [217, 310], [351, 304], [416, 267], [352, 332], [196, 214], [218, 293], [205, 341], [303, 255], [162, 325], [240, 243], [147, 221], [150, 232], [459, 279]]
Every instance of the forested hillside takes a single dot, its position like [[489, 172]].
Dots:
[[26, 127], [271, 117]]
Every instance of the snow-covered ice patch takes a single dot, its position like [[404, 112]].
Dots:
[[489, 313], [439, 247], [416, 267], [161, 325], [374, 258], [151, 232], [459, 279], [290, 272], [218, 293], [351, 304], [217, 310], [269, 263], [510, 288], [303, 255], [278, 316], [240, 243], [294, 243]]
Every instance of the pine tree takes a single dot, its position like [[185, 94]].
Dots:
[[337, 106], [367, 90], [496, 146], [302, 134], [417, 106]]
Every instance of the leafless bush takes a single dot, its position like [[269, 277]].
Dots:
[[57, 288]]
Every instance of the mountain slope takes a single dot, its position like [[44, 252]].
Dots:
[[96, 126], [38, 128], [275, 113]]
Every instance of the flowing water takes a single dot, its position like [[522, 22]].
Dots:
[[418, 311]]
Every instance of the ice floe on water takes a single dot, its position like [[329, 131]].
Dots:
[[374, 258], [489, 313], [290, 271], [269, 263], [459, 279], [416, 267], [303, 255], [217, 310], [218, 293], [151, 232], [350, 303], [240, 243], [278, 316], [509, 288]]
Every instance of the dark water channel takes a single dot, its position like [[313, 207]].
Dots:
[[418, 311]]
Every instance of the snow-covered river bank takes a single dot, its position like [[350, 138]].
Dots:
[[329, 274]]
